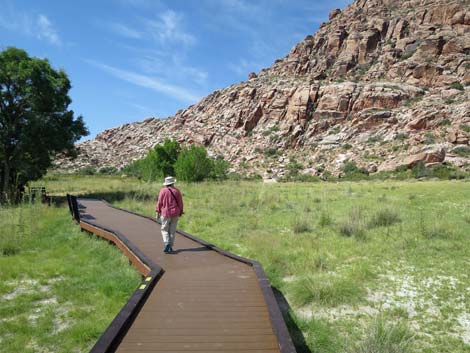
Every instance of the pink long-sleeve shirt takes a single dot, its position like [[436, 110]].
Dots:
[[167, 205]]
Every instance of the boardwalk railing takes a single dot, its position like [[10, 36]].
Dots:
[[152, 272]]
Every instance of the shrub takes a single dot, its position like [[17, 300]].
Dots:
[[352, 171], [293, 169], [300, 226], [351, 228], [457, 85], [87, 171], [328, 291], [374, 139], [463, 151], [465, 127], [325, 219], [234, 176], [132, 169], [429, 138], [354, 225], [307, 178], [384, 218], [193, 164], [401, 136], [108, 171], [219, 169], [440, 171], [271, 152], [157, 164], [444, 122], [407, 55], [419, 170], [386, 337]]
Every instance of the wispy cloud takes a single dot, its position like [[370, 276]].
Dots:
[[28, 23], [169, 65], [47, 31], [168, 27], [125, 31], [153, 83]]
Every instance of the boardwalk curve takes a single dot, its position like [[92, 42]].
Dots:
[[202, 299]]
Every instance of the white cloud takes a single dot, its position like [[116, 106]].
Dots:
[[170, 65], [153, 83], [169, 28], [125, 31], [46, 30], [29, 24]]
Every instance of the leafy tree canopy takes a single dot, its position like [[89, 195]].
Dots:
[[35, 122], [193, 164], [158, 163]]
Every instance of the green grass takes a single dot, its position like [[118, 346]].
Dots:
[[343, 254], [59, 288]]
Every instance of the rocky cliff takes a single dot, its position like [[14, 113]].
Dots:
[[384, 83]]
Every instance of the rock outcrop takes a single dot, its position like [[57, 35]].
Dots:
[[384, 83]]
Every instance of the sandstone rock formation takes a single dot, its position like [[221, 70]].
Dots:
[[383, 83]]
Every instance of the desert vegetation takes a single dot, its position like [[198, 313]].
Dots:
[[59, 288], [364, 266], [190, 164]]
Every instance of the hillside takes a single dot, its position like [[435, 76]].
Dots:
[[384, 83]]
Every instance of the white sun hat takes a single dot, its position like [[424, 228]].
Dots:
[[169, 180]]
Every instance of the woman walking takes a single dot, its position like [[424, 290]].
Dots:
[[169, 209]]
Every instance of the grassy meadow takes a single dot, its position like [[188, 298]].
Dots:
[[366, 267], [59, 288]]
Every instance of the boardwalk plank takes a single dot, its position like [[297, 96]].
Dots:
[[204, 302]]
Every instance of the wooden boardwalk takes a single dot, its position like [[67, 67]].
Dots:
[[200, 299]]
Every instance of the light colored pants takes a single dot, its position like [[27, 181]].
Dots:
[[169, 230]]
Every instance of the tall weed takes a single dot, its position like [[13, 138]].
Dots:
[[386, 337]]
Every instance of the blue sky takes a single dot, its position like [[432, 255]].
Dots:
[[133, 59]]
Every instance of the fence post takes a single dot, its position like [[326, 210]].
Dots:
[[69, 201], [76, 213]]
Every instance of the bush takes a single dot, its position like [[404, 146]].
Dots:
[[384, 218], [219, 170], [463, 151], [108, 171], [354, 225], [440, 171], [387, 338], [190, 164], [325, 219], [271, 152], [457, 85], [307, 178], [87, 171], [401, 136], [159, 161], [300, 226], [193, 164], [133, 169], [351, 228], [353, 172]]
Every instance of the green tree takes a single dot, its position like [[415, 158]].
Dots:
[[193, 164], [158, 163], [219, 169], [35, 122]]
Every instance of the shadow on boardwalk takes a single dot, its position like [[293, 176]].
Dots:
[[198, 249], [296, 334]]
